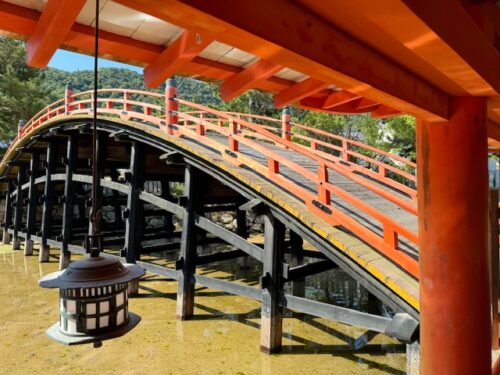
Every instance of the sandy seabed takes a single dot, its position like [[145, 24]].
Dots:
[[223, 337]]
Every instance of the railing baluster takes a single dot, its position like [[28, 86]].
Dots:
[[68, 99], [200, 128], [324, 195], [273, 165], [126, 105], [390, 236], [233, 129], [285, 125]]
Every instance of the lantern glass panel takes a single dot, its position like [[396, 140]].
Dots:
[[120, 298], [103, 321], [71, 306], [120, 317], [104, 307], [91, 308], [91, 323]]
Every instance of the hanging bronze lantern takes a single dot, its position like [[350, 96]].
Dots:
[[93, 300]]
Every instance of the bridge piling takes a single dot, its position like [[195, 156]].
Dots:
[[187, 258], [68, 202], [272, 283], [297, 258], [8, 213], [48, 199], [18, 212], [32, 203]]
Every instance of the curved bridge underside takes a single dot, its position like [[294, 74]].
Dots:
[[167, 156]]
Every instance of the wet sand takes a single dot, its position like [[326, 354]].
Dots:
[[223, 338]]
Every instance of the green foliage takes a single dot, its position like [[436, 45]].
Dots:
[[24, 91], [21, 95]]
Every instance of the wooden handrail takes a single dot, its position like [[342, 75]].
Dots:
[[237, 130]]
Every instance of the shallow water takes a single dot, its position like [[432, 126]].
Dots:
[[223, 338]]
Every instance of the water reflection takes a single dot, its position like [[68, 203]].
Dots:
[[222, 338]]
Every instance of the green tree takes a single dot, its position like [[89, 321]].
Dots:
[[21, 95]]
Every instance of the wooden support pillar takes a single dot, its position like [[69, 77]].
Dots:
[[32, 203], [272, 283], [296, 249], [187, 257], [168, 217], [18, 212], [68, 203], [117, 208], [133, 214], [453, 240], [100, 161], [8, 213], [242, 231], [495, 264], [48, 199]]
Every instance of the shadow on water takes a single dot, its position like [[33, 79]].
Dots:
[[334, 287]]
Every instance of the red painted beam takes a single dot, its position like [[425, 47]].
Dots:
[[284, 33], [183, 50], [246, 79], [339, 98], [384, 112], [51, 30], [453, 226], [298, 91]]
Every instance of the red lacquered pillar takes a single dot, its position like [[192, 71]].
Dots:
[[171, 105], [453, 239]]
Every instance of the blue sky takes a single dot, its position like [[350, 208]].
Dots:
[[71, 61]]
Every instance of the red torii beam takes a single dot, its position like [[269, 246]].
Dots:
[[184, 49], [51, 30]]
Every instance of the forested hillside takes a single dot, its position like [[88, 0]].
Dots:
[[24, 91]]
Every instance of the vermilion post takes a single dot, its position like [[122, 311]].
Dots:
[[171, 105], [286, 128], [68, 99], [453, 238]]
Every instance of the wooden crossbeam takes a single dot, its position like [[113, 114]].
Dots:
[[246, 79], [183, 50], [51, 30], [298, 91], [339, 98]]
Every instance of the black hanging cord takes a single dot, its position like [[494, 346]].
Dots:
[[94, 243]]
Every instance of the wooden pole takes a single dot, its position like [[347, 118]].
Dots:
[[272, 283], [187, 257], [8, 213], [68, 204], [48, 200], [18, 212], [134, 211], [100, 155], [455, 310], [296, 247], [168, 217], [32, 203], [495, 264]]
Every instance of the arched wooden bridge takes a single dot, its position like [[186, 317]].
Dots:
[[356, 211]]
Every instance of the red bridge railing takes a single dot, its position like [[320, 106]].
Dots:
[[234, 129]]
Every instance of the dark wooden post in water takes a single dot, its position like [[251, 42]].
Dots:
[[48, 198], [242, 231], [18, 213], [32, 203], [133, 214], [165, 194], [272, 283], [8, 213], [187, 257], [100, 158], [68, 204], [296, 249]]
